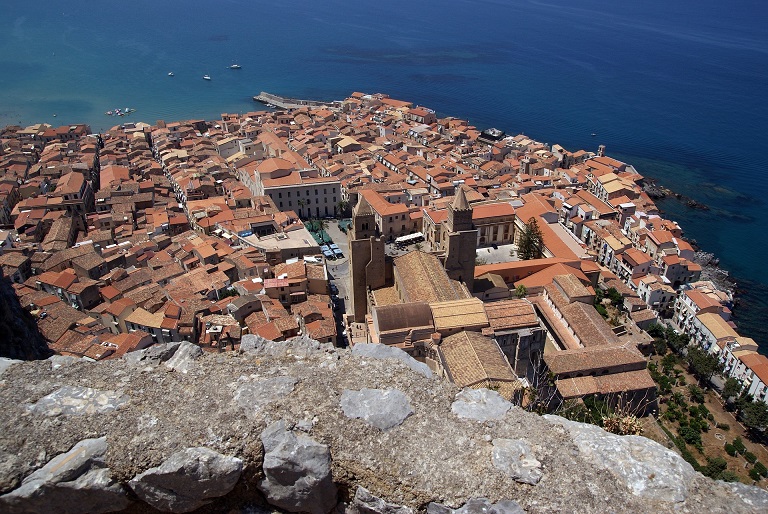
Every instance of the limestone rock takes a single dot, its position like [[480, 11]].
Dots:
[[6, 363], [383, 351], [478, 506], [297, 471], [252, 342], [73, 482], [644, 466], [188, 479], [155, 354], [366, 503], [752, 496], [59, 361], [514, 457], [255, 396], [480, 405], [77, 400], [381, 408], [184, 357]]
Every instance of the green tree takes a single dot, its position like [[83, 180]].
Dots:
[[343, 207], [656, 330], [731, 390], [301, 203], [521, 291], [702, 364], [615, 296], [696, 394], [755, 417], [531, 241]]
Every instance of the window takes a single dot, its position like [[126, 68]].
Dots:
[[281, 205], [324, 191], [333, 190], [334, 199], [279, 195], [289, 194], [315, 191]]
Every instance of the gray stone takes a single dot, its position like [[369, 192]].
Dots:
[[297, 471], [73, 482], [755, 497], [381, 408], [255, 396], [383, 351], [184, 357], [366, 503], [6, 363], [252, 342], [647, 468], [478, 506], [155, 354], [480, 405], [59, 361], [515, 458], [78, 401], [188, 479]]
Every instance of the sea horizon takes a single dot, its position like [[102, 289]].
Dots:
[[676, 90]]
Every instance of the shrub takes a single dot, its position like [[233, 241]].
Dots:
[[751, 457], [761, 469], [728, 476], [730, 450], [724, 426], [754, 474], [739, 445]]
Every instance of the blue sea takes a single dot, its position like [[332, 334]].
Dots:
[[677, 88]]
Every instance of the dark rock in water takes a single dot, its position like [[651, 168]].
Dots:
[[19, 336], [693, 204]]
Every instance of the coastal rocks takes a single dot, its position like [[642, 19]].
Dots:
[[381, 408], [73, 482], [644, 466], [480, 405], [188, 479], [255, 396], [78, 401], [515, 458], [366, 503], [382, 351], [184, 357], [297, 471], [478, 506]]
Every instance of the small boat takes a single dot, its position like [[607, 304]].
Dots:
[[235, 67], [593, 134], [108, 113], [206, 77], [54, 115], [170, 74]]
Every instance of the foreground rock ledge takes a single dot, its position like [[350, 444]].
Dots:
[[203, 418]]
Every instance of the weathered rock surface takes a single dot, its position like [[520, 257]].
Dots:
[[187, 480], [478, 506], [297, 471], [645, 467], [6, 363], [381, 408], [76, 481], [184, 357], [381, 351], [480, 405], [255, 396], [366, 503], [76, 401], [515, 458], [442, 452], [153, 355]]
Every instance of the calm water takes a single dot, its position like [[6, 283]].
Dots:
[[677, 88]]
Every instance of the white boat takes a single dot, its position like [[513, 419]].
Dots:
[[235, 67], [206, 77], [170, 74]]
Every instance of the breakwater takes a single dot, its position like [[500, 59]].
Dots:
[[282, 102]]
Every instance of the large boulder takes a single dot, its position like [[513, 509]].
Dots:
[[645, 467], [188, 479], [184, 357], [366, 503], [383, 351], [297, 471], [74, 482]]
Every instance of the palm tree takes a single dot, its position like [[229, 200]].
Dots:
[[343, 207], [301, 203], [323, 226]]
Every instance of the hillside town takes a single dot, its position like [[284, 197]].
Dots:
[[499, 261]]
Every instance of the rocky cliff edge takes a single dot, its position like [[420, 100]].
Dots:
[[304, 427]]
